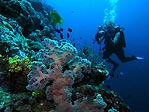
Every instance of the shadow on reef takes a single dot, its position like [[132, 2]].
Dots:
[[39, 73]]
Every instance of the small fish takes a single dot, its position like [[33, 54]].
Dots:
[[57, 30], [68, 35], [55, 18], [69, 29], [61, 36], [74, 44], [61, 29], [72, 11], [85, 50]]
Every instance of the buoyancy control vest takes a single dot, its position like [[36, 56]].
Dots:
[[121, 41], [109, 36]]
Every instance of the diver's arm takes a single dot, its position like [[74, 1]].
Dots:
[[100, 39], [116, 38], [100, 36]]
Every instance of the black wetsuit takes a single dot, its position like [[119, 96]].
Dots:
[[117, 49]]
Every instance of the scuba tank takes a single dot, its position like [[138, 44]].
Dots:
[[121, 41]]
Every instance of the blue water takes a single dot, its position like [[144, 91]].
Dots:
[[84, 16]]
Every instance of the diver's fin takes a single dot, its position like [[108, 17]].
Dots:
[[139, 58]]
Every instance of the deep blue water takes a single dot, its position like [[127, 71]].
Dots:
[[84, 16]]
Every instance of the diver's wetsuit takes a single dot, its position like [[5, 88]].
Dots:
[[117, 48]]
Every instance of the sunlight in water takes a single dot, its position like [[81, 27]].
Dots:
[[110, 12]]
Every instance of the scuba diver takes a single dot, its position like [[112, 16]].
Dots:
[[114, 42]]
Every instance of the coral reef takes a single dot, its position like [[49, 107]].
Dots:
[[24, 13], [39, 73], [12, 41]]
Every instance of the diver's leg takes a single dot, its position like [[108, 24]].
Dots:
[[115, 65], [113, 62], [106, 57], [107, 53], [121, 55]]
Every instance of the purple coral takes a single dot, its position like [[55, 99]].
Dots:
[[49, 66], [37, 77]]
